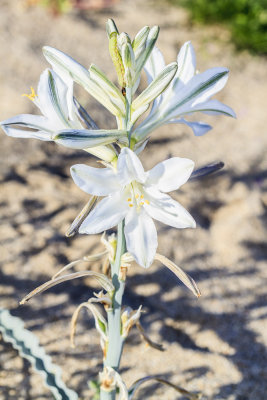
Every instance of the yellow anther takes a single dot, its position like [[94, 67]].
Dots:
[[130, 205], [142, 196], [147, 202], [129, 199], [136, 196], [32, 95], [142, 203]]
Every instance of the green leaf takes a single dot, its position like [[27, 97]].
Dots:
[[27, 344]]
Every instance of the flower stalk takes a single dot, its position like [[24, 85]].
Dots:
[[115, 340]]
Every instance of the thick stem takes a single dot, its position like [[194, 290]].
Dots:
[[115, 341]]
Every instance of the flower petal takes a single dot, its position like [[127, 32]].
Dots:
[[170, 174], [52, 99], [86, 138], [43, 128], [141, 237], [80, 75], [214, 107], [108, 213], [186, 64], [154, 65], [95, 181], [199, 128], [66, 65], [130, 167], [164, 209]]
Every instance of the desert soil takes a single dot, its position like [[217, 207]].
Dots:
[[215, 344]]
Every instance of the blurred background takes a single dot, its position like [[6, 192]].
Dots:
[[215, 344]]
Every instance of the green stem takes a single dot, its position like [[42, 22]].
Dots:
[[115, 341]]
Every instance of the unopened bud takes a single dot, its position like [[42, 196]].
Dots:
[[111, 27]]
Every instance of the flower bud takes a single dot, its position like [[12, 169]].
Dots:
[[111, 27]]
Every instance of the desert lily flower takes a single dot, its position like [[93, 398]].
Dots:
[[188, 93], [61, 120], [136, 196]]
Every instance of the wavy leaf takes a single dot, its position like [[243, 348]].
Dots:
[[27, 344]]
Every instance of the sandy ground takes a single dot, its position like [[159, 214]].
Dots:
[[216, 344]]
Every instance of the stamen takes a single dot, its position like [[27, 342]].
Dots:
[[130, 205], [32, 95], [142, 196], [147, 202], [141, 203], [136, 196], [129, 199]]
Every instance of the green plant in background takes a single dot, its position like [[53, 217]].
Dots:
[[247, 19], [55, 6]]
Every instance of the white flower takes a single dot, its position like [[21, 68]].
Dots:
[[188, 93], [51, 99], [137, 196], [61, 120]]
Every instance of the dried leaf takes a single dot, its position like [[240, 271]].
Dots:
[[183, 276], [74, 228], [142, 332], [102, 279], [139, 382], [100, 322]]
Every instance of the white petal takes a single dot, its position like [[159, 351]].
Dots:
[[68, 80], [80, 75], [170, 174], [141, 237], [95, 181], [130, 167], [214, 107], [43, 127], [86, 138], [154, 65], [164, 209], [108, 213], [52, 99], [66, 65], [209, 83], [200, 88], [186, 63], [199, 128]]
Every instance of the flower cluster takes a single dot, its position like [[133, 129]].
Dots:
[[174, 92]]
